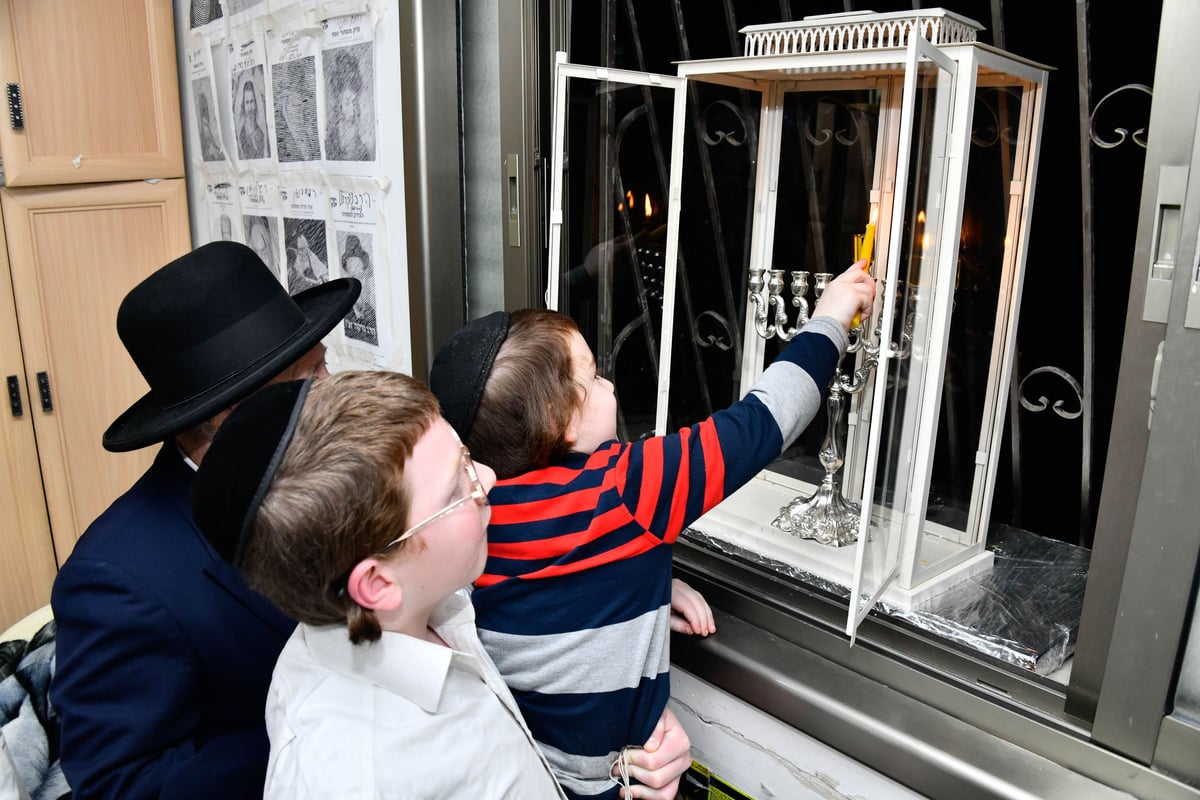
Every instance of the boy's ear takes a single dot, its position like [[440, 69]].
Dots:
[[373, 586], [571, 433]]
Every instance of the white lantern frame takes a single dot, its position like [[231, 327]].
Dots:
[[901, 557]]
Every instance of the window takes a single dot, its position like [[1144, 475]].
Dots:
[[1022, 493]]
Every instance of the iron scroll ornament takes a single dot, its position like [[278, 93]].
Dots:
[[1138, 136], [722, 340], [1043, 402], [734, 138], [847, 137], [988, 129]]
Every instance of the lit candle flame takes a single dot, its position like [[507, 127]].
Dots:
[[629, 200], [649, 208]]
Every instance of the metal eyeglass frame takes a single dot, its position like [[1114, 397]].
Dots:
[[478, 494]]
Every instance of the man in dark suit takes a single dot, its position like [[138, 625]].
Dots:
[[163, 654]]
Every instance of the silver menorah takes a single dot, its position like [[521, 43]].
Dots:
[[825, 516], [768, 294]]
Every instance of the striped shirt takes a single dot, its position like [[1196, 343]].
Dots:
[[574, 602]]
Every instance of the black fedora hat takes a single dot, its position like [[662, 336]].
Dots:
[[208, 329]]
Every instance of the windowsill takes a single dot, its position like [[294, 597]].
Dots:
[[1023, 611], [903, 738], [934, 718]]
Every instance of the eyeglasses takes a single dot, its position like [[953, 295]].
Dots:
[[477, 493]]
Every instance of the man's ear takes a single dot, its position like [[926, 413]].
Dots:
[[373, 586]]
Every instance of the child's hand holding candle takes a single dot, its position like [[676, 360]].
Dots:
[[868, 244], [864, 248]]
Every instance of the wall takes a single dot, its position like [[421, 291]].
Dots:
[[762, 756]]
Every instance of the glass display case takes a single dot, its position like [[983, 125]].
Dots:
[[875, 131]]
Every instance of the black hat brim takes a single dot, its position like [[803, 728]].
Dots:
[[146, 422]]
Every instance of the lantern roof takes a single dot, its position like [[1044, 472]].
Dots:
[[858, 30]]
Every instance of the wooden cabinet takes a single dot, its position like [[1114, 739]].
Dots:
[[98, 87], [94, 201], [73, 253], [25, 547]]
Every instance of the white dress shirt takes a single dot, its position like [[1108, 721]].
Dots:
[[398, 718]]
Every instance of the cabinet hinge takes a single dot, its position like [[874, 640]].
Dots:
[[16, 114]]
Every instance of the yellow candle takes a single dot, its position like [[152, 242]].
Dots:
[[868, 244], [864, 252]]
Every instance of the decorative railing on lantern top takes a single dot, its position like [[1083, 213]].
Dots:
[[861, 30]]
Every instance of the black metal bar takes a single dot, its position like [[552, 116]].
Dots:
[[43, 383], [14, 396], [16, 112]]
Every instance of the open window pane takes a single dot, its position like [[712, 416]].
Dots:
[[909, 356], [612, 269]]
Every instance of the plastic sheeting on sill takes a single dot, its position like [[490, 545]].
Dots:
[[1024, 612]]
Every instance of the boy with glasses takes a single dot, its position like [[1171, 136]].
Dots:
[[383, 689]]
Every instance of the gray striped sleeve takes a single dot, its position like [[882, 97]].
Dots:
[[570, 770], [555, 663], [789, 392]]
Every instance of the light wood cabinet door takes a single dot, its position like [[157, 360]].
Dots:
[[74, 254], [99, 91], [25, 546]]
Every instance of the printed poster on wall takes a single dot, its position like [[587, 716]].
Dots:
[[204, 103], [262, 221], [305, 234], [348, 69], [356, 224], [241, 11], [203, 13], [224, 218], [292, 51], [253, 128]]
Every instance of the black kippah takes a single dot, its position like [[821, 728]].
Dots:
[[241, 462], [462, 365]]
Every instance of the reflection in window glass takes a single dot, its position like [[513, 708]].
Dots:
[[619, 138]]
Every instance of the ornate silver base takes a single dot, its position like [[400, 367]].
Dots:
[[826, 516]]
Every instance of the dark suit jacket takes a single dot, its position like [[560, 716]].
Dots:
[[164, 655]]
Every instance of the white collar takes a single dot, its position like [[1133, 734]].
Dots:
[[186, 458], [404, 665]]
